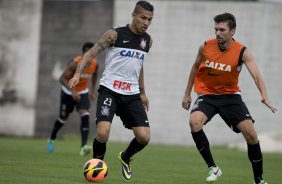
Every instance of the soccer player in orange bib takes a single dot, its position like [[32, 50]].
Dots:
[[214, 76], [78, 97]]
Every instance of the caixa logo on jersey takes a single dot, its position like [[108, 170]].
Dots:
[[132, 54]]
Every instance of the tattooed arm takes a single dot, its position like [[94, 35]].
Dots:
[[107, 39]]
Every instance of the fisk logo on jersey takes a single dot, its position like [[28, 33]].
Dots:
[[133, 54], [122, 85], [218, 66]]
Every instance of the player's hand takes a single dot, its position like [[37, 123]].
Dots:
[[268, 104], [144, 101], [186, 102], [74, 80]]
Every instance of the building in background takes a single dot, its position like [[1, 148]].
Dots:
[[38, 37]]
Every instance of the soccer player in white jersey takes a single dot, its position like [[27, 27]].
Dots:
[[122, 90]]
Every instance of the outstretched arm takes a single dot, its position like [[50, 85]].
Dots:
[[187, 99], [108, 38], [254, 71]]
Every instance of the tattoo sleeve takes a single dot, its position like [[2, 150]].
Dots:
[[100, 47], [104, 42], [78, 69]]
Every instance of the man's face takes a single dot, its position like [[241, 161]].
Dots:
[[223, 33], [142, 20]]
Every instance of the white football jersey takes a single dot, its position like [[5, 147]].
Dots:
[[124, 60]]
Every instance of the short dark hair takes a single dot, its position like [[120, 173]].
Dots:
[[226, 17], [87, 46], [145, 5]]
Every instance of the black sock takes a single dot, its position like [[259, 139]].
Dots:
[[57, 126], [84, 129], [202, 144], [255, 156], [99, 149], [133, 148]]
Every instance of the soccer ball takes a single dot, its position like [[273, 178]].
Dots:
[[95, 170]]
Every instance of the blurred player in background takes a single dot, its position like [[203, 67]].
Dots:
[[215, 78], [122, 90], [78, 97]]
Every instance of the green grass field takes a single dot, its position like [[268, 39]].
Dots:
[[26, 161]]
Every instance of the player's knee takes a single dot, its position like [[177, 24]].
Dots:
[[251, 138], [102, 135], [248, 131], [144, 140], [195, 125], [103, 131]]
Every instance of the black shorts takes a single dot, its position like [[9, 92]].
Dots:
[[128, 107], [67, 104], [231, 108]]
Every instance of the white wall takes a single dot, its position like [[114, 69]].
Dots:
[[178, 29], [19, 44]]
